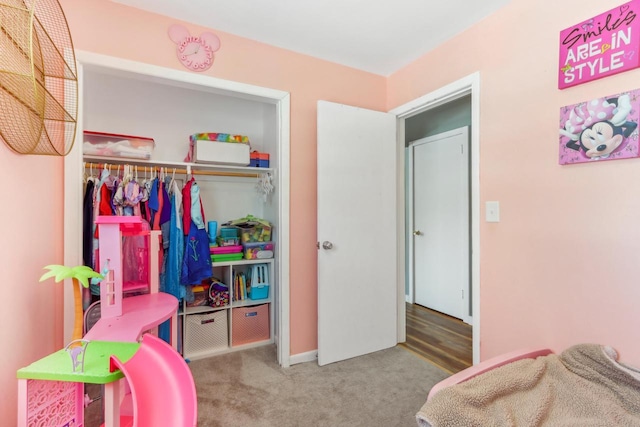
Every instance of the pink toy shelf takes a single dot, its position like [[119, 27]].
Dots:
[[126, 319], [50, 392], [117, 235]]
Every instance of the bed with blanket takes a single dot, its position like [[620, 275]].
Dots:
[[584, 385]]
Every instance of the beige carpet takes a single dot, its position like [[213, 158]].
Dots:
[[248, 388]]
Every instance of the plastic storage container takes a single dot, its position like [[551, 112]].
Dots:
[[254, 233], [228, 236], [226, 257], [200, 295], [226, 253], [259, 281], [217, 250], [252, 229], [259, 292], [116, 145], [250, 324], [258, 250]]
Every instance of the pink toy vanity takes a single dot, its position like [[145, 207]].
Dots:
[[122, 323], [126, 319]]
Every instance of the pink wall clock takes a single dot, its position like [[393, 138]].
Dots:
[[195, 53]]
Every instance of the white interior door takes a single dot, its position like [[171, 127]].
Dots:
[[441, 221], [357, 288]]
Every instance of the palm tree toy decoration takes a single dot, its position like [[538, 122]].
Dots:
[[80, 276]]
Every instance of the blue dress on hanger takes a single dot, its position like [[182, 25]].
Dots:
[[196, 262]]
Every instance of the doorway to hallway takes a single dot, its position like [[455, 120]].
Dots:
[[424, 330]]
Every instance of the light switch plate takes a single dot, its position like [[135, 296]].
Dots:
[[493, 212]]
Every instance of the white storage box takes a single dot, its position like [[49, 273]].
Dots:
[[222, 153], [205, 333]]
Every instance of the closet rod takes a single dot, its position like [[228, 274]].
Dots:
[[143, 169]]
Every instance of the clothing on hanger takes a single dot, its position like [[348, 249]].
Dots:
[[196, 265]]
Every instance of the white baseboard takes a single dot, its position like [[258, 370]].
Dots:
[[407, 298], [309, 356]]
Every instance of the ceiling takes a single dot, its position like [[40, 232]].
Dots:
[[378, 36]]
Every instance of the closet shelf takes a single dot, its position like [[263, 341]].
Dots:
[[181, 167]]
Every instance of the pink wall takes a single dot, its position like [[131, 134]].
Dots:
[[31, 230], [561, 266]]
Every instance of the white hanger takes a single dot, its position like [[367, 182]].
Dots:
[[173, 179]]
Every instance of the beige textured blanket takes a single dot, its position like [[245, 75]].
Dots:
[[583, 386]]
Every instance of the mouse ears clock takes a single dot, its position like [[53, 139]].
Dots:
[[195, 53]]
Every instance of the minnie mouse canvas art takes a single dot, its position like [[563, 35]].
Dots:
[[600, 129]]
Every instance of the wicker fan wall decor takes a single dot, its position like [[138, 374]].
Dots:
[[38, 78]]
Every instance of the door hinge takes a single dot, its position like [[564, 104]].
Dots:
[[318, 245]]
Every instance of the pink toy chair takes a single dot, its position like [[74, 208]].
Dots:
[[163, 392]]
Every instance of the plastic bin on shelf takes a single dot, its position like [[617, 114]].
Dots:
[[228, 237], [259, 281], [226, 257], [117, 145], [252, 229], [258, 250]]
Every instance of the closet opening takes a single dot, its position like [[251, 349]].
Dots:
[[128, 98]]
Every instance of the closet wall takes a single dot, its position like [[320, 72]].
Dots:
[[128, 104]]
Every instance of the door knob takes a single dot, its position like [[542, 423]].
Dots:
[[327, 245], [417, 233]]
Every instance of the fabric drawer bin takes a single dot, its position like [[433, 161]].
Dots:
[[250, 324], [205, 333], [222, 153]]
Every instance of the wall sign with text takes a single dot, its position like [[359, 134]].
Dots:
[[604, 45]]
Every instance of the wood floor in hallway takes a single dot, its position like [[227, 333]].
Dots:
[[443, 340]]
